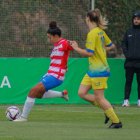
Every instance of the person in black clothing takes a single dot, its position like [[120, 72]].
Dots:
[[131, 50]]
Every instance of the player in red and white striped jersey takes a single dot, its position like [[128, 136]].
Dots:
[[59, 58], [55, 75]]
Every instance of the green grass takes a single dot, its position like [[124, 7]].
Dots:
[[70, 122]]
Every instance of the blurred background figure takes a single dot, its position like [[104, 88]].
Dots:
[[131, 50]]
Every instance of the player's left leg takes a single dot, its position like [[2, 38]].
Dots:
[[99, 84], [86, 84], [99, 97], [109, 111], [38, 89]]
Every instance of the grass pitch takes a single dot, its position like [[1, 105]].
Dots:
[[70, 122]]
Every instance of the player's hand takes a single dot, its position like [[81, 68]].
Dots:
[[74, 45], [69, 42], [66, 69]]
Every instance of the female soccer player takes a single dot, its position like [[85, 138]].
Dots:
[[97, 44], [55, 75]]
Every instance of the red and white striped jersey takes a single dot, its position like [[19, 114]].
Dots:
[[59, 58]]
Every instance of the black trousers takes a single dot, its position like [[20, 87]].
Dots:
[[129, 78]]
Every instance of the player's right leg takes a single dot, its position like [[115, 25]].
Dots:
[[51, 82], [84, 88], [55, 94], [83, 93], [65, 95]]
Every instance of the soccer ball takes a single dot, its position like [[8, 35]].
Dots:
[[12, 113]]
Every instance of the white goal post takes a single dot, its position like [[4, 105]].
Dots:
[[92, 4]]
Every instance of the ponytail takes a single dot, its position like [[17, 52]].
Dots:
[[95, 16]]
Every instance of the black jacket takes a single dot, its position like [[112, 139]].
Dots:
[[131, 47]]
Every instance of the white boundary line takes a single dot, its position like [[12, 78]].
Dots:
[[81, 111], [6, 136], [59, 106]]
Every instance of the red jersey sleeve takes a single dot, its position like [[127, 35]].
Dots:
[[70, 48], [66, 46]]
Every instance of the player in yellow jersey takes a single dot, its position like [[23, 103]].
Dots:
[[97, 44]]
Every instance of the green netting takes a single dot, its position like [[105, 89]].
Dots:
[[24, 23], [119, 13]]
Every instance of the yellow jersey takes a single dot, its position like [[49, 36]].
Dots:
[[95, 43]]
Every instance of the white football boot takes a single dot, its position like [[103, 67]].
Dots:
[[20, 119], [125, 103], [138, 103], [65, 95]]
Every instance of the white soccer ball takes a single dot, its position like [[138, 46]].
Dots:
[[12, 113]]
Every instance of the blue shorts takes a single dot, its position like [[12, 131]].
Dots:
[[50, 82]]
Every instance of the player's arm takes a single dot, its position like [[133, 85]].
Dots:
[[108, 43], [110, 47], [84, 52], [81, 51]]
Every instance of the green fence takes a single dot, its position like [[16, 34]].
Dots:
[[19, 75], [24, 24]]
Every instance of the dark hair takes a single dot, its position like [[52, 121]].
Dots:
[[95, 16], [53, 29]]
